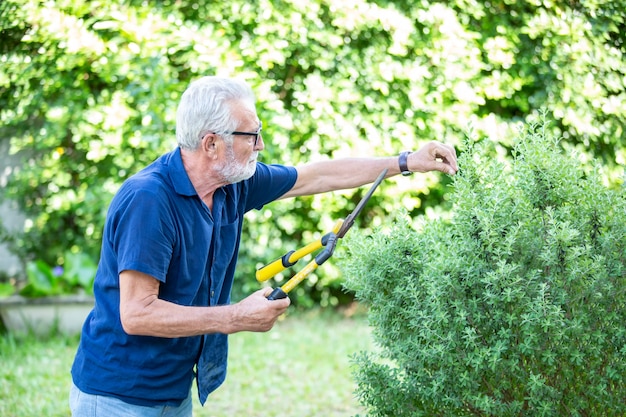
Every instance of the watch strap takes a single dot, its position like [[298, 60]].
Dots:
[[402, 161]]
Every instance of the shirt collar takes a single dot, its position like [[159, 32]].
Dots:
[[178, 175]]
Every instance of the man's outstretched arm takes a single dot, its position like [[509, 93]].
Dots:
[[346, 173]]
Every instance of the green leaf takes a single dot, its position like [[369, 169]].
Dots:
[[80, 270], [6, 289], [40, 280]]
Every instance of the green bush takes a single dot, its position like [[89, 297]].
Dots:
[[515, 306], [75, 276]]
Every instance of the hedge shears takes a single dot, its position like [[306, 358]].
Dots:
[[328, 242]]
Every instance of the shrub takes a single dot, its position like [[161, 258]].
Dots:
[[75, 276], [515, 306]]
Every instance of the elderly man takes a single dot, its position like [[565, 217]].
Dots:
[[169, 251]]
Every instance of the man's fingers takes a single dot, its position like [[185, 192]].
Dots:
[[445, 156], [445, 167]]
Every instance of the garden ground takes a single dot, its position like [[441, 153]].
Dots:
[[300, 368]]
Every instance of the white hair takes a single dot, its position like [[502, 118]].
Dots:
[[206, 106]]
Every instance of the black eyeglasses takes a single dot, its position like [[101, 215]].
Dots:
[[256, 134]]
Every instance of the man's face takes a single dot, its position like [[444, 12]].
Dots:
[[238, 165], [240, 157]]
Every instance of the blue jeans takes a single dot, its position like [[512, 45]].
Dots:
[[87, 405]]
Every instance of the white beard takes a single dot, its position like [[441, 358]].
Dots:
[[233, 172]]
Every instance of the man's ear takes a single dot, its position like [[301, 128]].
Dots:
[[210, 143]]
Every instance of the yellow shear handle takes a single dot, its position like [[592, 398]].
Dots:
[[299, 277], [290, 258]]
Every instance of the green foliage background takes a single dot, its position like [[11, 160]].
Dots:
[[88, 92], [514, 307]]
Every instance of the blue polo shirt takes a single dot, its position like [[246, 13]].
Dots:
[[157, 224]]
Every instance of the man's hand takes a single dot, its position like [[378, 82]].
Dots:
[[256, 313], [434, 156]]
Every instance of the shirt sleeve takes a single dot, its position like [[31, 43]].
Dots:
[[269, 183], [142, 232]]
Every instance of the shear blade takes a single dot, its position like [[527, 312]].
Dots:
[[347, 224]]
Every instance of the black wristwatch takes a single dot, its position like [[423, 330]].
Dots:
[[404, 169]]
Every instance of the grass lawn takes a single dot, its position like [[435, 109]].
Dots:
[[300, 368]]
